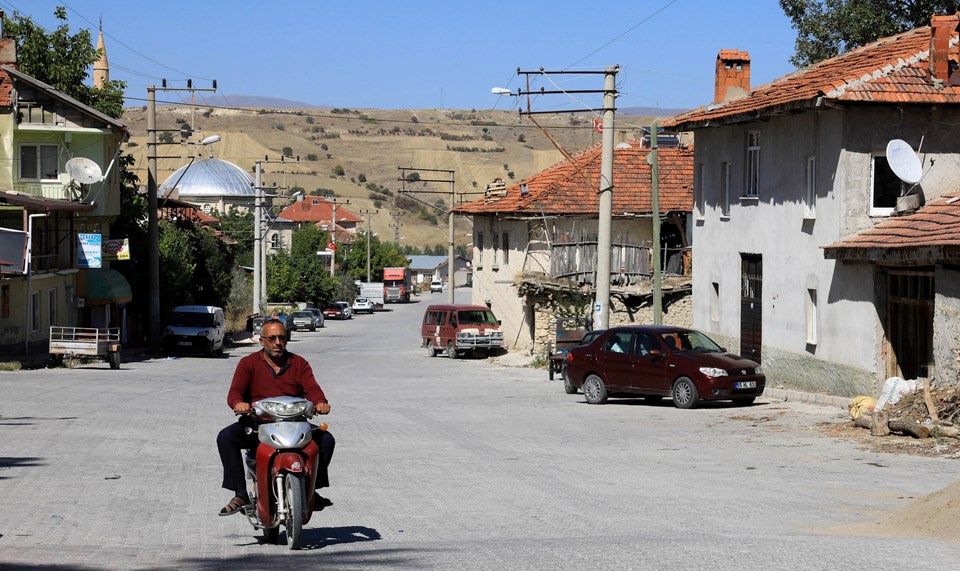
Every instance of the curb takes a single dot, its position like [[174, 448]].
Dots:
[[808, 398]]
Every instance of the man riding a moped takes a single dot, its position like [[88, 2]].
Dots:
[[275, 428]]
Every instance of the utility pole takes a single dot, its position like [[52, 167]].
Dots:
[[153, 229], [653, 159], [333, 234], [601, 307], [367, 215], [396, 226], [260, 228], [449, 212]]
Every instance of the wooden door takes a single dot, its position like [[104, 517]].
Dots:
[[751, 305]]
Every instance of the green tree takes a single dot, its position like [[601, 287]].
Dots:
[[61, 59], [826, 28], [352, 258], [287, 152], [338, 170], [413, 177]]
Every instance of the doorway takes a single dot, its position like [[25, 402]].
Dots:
[[751, 305], [910, 304]]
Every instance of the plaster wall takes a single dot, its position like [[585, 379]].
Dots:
[[946, 326]]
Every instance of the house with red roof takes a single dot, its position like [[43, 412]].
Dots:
[[320, 212], [812, 256], [537, 238]]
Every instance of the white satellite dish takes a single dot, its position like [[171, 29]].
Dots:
[[84, 170], [904, 162]]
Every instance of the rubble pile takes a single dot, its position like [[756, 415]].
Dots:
[[912, 407]]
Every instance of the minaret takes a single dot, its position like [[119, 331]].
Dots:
[[101, 69]]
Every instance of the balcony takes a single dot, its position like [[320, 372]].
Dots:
[[629, 263], [57, 190]]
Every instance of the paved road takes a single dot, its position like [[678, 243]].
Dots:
[[441, 464]]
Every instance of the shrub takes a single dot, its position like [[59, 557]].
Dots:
[[362, 177], [287, 152], [324, 147], [311, 156], [166, 137], [310, 120], [521, 139], [338, 170]]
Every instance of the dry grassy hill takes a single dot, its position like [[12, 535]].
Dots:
[[370, 145]]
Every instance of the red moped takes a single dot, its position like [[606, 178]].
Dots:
[[283, 468]]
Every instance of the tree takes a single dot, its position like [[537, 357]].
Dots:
[[287, 152], [61, 60], [826, 28], [338, 170]]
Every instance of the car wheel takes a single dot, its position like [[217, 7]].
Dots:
[[744, 401], [431, 349], [594, 390], [451, 350], [653, 398], [314, 328], [568, 387], [685, 393]]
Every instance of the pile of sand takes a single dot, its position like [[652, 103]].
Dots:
[[934, 516]]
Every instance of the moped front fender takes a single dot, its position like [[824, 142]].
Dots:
[[270, 463]]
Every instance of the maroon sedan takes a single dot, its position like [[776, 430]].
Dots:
[[654, 362]]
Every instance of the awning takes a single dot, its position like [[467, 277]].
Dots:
[[101, 286]]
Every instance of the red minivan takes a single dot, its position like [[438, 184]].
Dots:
[[455, 329]]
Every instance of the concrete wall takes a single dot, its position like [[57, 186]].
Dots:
[[12, 328], [946, 326]]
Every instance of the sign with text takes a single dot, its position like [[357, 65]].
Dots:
[[89, 250], [116, 249]]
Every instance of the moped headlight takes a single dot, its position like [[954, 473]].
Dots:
[[284, 409], [713, 372]]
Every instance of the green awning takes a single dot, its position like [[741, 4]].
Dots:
[[101, 286]]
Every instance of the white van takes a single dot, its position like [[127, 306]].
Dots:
[[195, 328]]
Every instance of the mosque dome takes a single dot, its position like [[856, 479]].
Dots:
[[209, 178]]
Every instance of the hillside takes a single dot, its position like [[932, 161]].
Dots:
[[370, 145]]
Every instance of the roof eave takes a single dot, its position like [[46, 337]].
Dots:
[[756, 115]]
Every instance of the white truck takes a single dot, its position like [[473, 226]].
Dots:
[[372, 291]]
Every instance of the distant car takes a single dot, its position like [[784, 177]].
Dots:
[[436, 286], [658, 361], [362, 304], [318, 312], [338, 310], [305, 320]]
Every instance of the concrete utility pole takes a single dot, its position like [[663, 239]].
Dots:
[[653, 159], [449, 212], [333, 234], [153, 230], [367, 215], [601, 307], [396, 226], [260, 228]]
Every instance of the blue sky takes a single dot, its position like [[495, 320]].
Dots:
[[426, 54]]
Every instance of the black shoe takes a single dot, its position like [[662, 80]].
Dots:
[[320, 502]]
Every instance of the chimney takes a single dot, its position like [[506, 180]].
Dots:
[[8, 47], [941, 30], [733, 75]]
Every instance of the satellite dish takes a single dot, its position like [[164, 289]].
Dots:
[[84, 170], [904, 162]]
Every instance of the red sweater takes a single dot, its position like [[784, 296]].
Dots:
[[254, 380]]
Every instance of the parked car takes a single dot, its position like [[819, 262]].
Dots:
[[455, 329], [436, 286], [305, 320], [318, 312], [362, 304], [658, 361], [587, 338], [338, 310], [195, 328]]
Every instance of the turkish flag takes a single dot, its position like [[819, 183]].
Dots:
[[598, 125], [331, 246]]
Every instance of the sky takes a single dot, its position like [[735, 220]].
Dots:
[[429, 54]]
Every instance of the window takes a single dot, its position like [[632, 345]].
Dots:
[[699, 200], [725, 189], [810, 198], [496, 251], [811, 317], [752, 187], [715, 302], [35, 312], [52, 303], [5, 302], [619, 342], [480, 249], [39, 162], [884, 187], [506, 248], [275, 241]]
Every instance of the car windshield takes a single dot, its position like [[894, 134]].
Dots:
[[476, 317], [303, 314], [361, 300], [690, 341], [192, 319]]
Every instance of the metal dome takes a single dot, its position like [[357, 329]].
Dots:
[[209, 178]]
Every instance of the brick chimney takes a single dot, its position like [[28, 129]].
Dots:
[[733, 75], [941, 30], [8, 47]]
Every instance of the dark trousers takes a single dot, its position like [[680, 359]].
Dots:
[[233, 439]]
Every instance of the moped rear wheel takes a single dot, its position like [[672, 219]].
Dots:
[[271, 534], [293, 487]]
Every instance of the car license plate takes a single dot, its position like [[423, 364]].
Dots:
[[745, 385], [184, 343]]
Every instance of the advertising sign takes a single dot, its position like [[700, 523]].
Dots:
[[116, 249], [89, 250]]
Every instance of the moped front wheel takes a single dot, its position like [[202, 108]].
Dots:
[[293, 488]]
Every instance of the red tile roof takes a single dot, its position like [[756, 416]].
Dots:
[[932, 230], [317, 209], [571, 188], [890, 70]]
